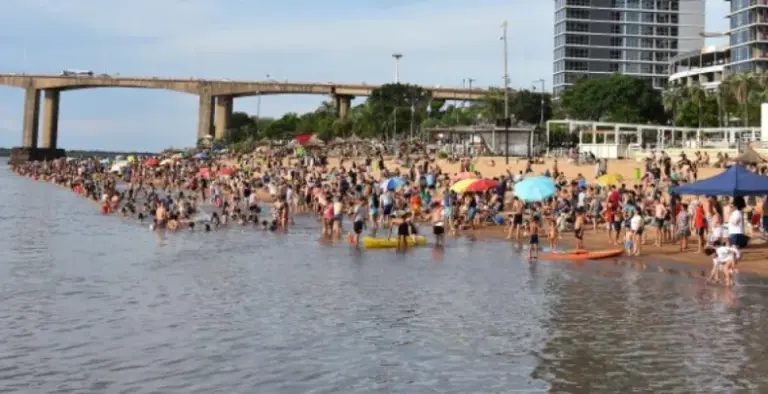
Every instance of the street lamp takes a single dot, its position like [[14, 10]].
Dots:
[[541, 109], [504, 26], [397, 57]]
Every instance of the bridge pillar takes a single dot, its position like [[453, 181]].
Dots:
[[223, 115], [205, 116], [51, 119], [31, 116], [343, 104]]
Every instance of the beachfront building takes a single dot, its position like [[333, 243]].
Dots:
[[518, 140], [596, 38], [624, 140], [748, 35], [705, 66]]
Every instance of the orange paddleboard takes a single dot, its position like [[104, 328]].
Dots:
[[581, 254]]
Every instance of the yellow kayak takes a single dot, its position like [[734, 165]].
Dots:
[[382, 243]]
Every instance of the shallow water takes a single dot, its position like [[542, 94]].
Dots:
[[93, 304]]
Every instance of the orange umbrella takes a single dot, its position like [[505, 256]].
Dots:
[[482, 185], [153, 162]]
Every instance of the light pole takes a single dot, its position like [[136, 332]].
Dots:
[[397, 57], [506, 93], [541, 109]]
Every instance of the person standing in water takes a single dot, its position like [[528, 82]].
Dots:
[[438, 224], [578, 229], [533, 242], [358, 221]]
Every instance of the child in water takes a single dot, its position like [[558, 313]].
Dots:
[[628, 244]]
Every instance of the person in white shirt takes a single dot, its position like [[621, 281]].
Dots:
[[724, 259], [636, 225], [736, 227]]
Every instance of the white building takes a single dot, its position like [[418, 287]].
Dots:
[[705, 66]]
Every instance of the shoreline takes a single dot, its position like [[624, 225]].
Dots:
[[754, 259]]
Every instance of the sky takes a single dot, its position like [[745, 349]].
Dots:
[[347, 41]]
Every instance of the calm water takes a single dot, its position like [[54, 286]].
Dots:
[[93, 304]]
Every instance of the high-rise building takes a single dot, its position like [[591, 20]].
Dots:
[[596, 38], [748, 35]]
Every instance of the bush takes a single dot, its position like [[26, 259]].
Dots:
[[442, 155]]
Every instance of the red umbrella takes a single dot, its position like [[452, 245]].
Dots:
[[225, 171], [205, 173], [153, 162], [482, 185]]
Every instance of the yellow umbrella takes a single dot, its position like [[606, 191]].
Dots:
[[610, 179], [462, 185], [131, 159]]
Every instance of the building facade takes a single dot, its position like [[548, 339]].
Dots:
[[705, 67], [748, 35], [596, 38]]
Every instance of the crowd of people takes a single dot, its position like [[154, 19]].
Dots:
[[383, 198]]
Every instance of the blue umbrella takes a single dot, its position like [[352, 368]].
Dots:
[[536, 188], [201, 156], [392, 183]]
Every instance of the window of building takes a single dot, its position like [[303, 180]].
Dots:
[[632, 16], [647, 17], [647, 4], [662, 31], [632, 42], [740, 53], [614, 54], [616, 41], [632, 55], [576, 65], [577, 26], [576, 39], [740, 36], [632, 29], [634, 4], [615, 29], [576, 52], [646, 56], [577, 13], [646, 30], [577, 2], [613, 67], [632, 68]]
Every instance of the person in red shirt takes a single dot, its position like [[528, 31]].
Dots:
[[613, 197], [700, 222]]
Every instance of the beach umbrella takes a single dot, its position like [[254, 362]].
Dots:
[[166, 162], [119, 157], [610, 179], [464, 175], [153, 162], [536, 188], [131, 158], [104, 161], [225, 172], [201, 156], [481, 185], [462, 185], [392, 183]]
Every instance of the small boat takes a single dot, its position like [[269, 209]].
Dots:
[[582, 254], [383, 243]]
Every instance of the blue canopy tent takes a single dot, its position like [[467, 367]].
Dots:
[[735, 181]]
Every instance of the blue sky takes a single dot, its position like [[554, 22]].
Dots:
[[442, 42]]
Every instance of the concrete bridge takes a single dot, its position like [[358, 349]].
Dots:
[[216, 98]]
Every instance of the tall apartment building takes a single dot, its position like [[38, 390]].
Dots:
[[748, 35], [596, 38]]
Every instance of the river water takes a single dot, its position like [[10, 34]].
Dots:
[[93, 304]]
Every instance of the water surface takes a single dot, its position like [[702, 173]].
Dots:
[[94, 304]]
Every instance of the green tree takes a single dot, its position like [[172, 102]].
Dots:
[[618, 98], [398, 103]]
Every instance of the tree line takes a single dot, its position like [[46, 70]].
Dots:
[[403, 109]]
